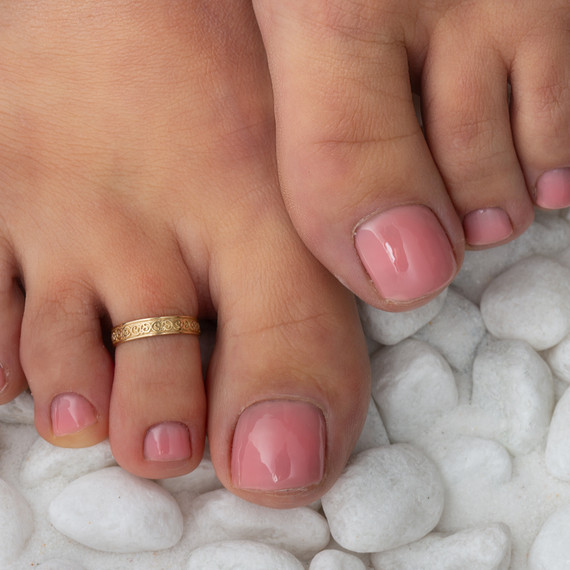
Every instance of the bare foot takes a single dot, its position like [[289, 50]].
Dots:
[[384, 210], [138, 179]]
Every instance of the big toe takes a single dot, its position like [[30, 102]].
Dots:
[[360, 183], [288, 385]]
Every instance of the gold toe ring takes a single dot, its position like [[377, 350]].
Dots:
[[154, 326]]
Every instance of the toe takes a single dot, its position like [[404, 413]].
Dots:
[[357, 175], [68, 368], [467, 123], [288, 384], [12, 378], [158, 404], [540, 78]]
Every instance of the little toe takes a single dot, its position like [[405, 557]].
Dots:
[[540, 78], [467, 123], [68, 367], [158, 407], [357, 175]]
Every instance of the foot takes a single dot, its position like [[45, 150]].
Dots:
[[137, 179], [381, 208]]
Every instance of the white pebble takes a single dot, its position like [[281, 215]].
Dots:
[[558, 358], [456, 331], [241, 555], [391, 328], [474, 461], [220, 515], [386, 497], [551, 547], [114, 511], [514, 387], [18, 411], [373, 433], [336, 560], [16, 523], [485, 548], [201, 480], [59, 564], [45, 461], [412, 385], [557, 454], [530, 302]]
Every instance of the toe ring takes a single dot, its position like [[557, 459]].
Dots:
[[154, 326]]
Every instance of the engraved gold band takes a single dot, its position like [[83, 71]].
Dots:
[[154, 326]]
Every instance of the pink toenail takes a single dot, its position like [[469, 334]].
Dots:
[[71, 413], [406, 253], [279, 445], [168, 441], [487, 226], [553, 189]]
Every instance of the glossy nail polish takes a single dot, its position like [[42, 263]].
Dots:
[[553, 189], [167, 441], [71, 413], [279, 445], [406, 253], [487, 226]]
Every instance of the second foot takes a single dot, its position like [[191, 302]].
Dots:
[[385, 208], [138, 180]]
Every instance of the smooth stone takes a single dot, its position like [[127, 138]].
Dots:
[[220, 516], [241, 554], [114, 511], [564, 256], [412, 385], [557, 453], [18, 411], [548, 234], [202, 480], [456, 331], [336, 560], [558, 358], [373, 433], [473, 461], [385, 498], [530, 302], [514, 387], [485, 548], [551, 547], [60, 564], [16, 523], [45, 461], [391, 328]]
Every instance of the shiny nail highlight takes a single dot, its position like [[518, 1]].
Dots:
[[406, 253], [279, 445], [3, 378]]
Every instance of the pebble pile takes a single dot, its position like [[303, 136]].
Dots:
[[463, 464]]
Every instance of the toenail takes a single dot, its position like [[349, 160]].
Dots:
[[168, 441], [71, 413], [553, 189], [279, 445], [406, 253], [487, 226]]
